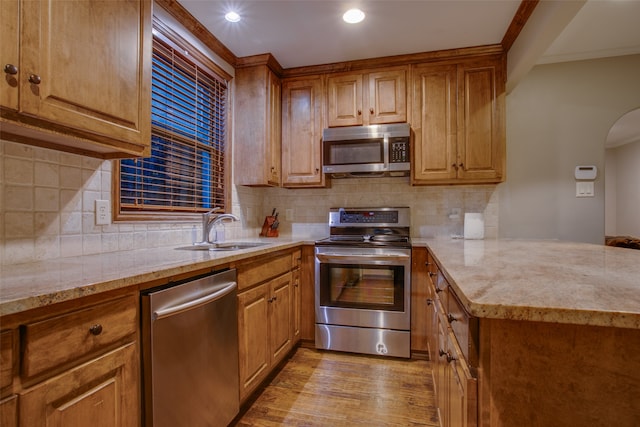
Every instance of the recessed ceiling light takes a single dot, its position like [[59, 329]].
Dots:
[[232, 16], [353, 16]]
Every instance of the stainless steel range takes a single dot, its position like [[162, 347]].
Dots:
[[363, 282]]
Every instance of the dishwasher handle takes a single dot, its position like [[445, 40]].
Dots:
[[195, 303]]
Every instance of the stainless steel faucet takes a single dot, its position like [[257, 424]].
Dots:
[[210, 219]]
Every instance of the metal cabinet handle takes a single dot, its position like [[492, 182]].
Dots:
[[455, 166], [429, 301], [359, 112], [451, 318], [95, 329], [450, 357], [461, 165], [35, 79], [11, 69], [370, 110], [272, 299], [431, 274], [438, 290]]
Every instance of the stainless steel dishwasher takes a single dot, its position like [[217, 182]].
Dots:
[[190, 352]]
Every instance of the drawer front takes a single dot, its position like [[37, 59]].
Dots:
[[58, 340], [252, 273], [465, 329], [442, 289], [6, 359]]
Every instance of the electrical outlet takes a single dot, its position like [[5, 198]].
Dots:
[[289, 214], [103, 212]]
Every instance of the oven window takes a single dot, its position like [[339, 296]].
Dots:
[[374, 287]]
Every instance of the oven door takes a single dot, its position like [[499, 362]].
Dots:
[[363, 287]]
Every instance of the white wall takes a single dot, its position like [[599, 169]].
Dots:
[[558, 117], [623, 210]]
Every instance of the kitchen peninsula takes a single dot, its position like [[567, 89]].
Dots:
[[553, 329]]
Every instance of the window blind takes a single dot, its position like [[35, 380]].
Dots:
[[187, 165]]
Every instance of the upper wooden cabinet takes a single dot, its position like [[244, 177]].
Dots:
[[383, 100], [77, 75], [458, 122], [302, 124], [258, 132]]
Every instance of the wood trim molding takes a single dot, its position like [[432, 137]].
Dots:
[[518, 22], [263, 59], [176, 10], [389, 61]]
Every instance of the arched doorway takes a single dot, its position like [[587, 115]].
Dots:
[[622, 177]]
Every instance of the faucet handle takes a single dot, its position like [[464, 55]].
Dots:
[[216, 209]]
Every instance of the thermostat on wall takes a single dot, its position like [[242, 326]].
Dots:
[[586, 172]]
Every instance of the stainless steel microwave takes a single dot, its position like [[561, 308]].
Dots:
[[375, 150]]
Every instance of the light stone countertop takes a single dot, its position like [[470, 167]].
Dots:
[[38, 284], [543, 280], [536, 280]]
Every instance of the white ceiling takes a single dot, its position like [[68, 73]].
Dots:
[[311, 32]]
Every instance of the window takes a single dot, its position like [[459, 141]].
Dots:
[[186, 172]]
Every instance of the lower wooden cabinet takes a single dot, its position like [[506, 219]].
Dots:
[[100, 392], [264, 330], [75, 364], [454, 367]]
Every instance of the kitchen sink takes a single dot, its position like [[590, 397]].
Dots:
[[225, 246]]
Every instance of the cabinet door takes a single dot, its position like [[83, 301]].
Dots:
[[295, 306], [345, 100], [280, 317], [9, 45], [419, 296], [87, 66], [274, 132], [434, 124], [387, 96], [481, 139], [9, 411], [257, 155], [101, 392], [302, 133], [253, 337]]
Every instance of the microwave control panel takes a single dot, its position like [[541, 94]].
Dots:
[[399, 150]]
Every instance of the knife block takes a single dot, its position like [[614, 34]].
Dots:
[[267, 231]]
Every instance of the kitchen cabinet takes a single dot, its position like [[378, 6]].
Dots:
[[302, 124], [375, 97], [458, 121], [452, 340], [77, 76], [79, 365], [265, 316], [257, 152]]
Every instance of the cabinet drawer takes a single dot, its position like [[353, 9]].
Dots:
[[263, 269], [70, 336], [464, 328]]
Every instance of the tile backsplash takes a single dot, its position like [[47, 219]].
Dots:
[[47, 207]]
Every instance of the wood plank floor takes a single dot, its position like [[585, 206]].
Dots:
[[322, 388]]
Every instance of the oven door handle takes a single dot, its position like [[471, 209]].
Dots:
[[378, 259]]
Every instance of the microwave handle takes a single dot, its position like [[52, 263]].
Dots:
[[385, 147]]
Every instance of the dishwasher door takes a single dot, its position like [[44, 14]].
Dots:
[[190, 353]]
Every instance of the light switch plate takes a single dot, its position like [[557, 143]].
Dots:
[[103, 212], [584, 189]]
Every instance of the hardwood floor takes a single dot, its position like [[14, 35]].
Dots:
[[322, 388]]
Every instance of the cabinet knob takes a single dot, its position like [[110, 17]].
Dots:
[[461, 165], [317, 171], [370, 110], [429, 301], [438, 290], [455, 166], [11, 69], [96, 329], [35, 79], [359, 112], [431, 274], [451, 318]]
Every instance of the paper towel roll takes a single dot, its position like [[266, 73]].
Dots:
[[473, 226]]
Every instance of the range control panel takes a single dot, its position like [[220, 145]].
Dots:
[[373, 216]]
